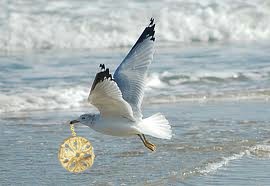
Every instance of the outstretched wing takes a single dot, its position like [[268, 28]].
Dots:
[[107, 97], [130, 75]]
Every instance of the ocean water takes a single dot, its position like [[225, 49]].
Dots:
[[210, 77]]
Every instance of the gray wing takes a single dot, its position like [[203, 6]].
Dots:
[[131, 73]]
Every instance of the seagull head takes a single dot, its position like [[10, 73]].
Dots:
[[86, 119]]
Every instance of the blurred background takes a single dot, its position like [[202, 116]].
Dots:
[[84, 24]]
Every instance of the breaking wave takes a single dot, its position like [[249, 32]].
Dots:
[[161, 80], [44, 99], [214, 165], [258, 151], [163, 87], [76, 97], [27, 25]]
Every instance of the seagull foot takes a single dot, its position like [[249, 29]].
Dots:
[[150, 146], [146, 143]]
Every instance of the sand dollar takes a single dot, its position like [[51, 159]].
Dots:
[[76, 154]]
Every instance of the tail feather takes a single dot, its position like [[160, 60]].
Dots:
[[157, 126]]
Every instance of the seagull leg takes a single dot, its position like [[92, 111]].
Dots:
[[146, 143]]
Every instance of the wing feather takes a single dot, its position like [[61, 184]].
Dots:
[[107, 97], [131, 73]]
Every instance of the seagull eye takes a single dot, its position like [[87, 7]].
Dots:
[[83, 117]]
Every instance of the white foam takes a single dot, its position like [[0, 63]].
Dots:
[[164, 87], [154, 81], [186, 80], [44, 99], [84, 24], [76, 97], [206, 85], [212, 167], [259, 151], [168, 78]]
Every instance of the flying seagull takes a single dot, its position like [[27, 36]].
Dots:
[[119, 97]]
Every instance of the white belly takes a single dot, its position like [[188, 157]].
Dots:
[[116, 127]]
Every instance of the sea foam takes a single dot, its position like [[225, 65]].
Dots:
[[44, 99], [27, 25], [259, 151], [164, 87]]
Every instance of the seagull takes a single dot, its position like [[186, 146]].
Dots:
[[119, 97]]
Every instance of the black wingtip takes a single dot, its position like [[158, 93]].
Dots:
[[151, 21], [102, 67], [151, 29], [149, 32], [101, 76]]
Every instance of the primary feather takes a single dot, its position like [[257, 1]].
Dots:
[[131, 73]]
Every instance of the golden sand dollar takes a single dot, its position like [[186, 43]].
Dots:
[[76, 154]]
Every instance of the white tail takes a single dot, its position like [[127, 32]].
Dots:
[[157, 126]]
